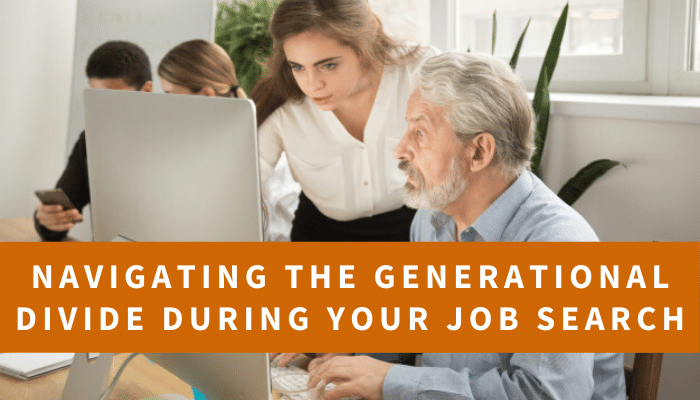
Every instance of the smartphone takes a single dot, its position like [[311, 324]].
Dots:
[[54, 196]]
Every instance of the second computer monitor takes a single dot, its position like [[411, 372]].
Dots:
[[172, 167]]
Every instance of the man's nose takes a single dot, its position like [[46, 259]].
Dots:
[[402, 150]]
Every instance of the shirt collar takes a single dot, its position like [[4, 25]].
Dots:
[[490, 225], [443, 225], [493, 222]]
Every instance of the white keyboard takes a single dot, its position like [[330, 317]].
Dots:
[[292, 382], [294, 377], [289, 369]]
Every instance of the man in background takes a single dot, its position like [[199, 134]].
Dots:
[[115, 65]]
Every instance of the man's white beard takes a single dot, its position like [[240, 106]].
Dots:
[[437, 197]]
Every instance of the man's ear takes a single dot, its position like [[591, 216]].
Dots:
[[147, 87], [482, 151], [207, 91]]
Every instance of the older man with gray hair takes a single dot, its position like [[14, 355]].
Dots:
[[466, 153]]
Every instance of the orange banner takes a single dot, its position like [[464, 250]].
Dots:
[[350, 297]]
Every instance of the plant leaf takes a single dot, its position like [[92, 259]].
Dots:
[[494, 27], [516, 52], [552, 55], [242, 30], [574, 187], [542, 114]]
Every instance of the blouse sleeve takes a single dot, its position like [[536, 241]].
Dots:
[[270, 147]]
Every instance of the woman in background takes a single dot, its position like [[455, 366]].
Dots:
[[199, 67], [204, 68], [333, 99]]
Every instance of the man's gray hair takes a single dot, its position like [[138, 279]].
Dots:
[[481, 93]]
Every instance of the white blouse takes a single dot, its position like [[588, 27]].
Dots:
[[345, 178]]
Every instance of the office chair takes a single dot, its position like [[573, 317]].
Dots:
[[642, 379]]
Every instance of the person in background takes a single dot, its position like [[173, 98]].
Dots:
[[199, 67], [115, 65], [333, 99], [204, 68], [466, 152]]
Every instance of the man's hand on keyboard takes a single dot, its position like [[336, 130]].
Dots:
[[360, 376], [322, 358]]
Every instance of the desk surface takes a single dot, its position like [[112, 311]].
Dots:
[[140, 379], [19, 229]]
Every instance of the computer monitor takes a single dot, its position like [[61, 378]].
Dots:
[[221, 376], [166, 167]]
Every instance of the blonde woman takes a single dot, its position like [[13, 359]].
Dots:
[[199, 67]]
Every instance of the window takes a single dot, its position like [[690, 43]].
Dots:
[[694, 37], [593, 27], [684, 61], [604, 42], [609, 46]]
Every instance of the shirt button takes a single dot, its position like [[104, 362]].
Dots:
[[366, 183]]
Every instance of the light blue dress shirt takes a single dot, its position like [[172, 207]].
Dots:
[[501, 376], [526, 211]]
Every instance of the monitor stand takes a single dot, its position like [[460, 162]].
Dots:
[[86, 380]]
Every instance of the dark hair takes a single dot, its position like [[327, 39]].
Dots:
[[118, 59], [198, 63], [351, 22]]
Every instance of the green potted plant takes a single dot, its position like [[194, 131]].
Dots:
[[242, 30], [584, 178]]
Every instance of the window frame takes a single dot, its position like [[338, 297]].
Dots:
[[653, 61], [680, 80]]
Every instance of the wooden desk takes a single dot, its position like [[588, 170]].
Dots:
[[20, 229], [140, 379]]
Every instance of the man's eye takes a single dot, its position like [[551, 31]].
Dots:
[[420, 133], [296, 67], [329, 66]]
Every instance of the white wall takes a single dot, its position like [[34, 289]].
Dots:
[[36, 56], [654, 198]]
